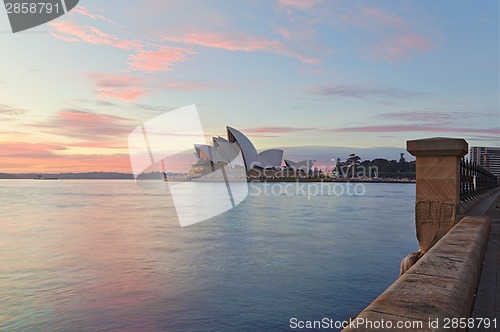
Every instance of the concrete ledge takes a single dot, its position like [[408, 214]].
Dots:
[[469, 205], [440, 285]]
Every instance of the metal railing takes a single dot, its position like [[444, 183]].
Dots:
[[474, 180]]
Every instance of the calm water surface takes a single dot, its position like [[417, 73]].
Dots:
[[111, 256]]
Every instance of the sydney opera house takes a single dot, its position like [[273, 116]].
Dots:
[[237, 156]]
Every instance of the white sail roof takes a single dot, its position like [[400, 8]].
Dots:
[[238, 151], [270, 158], [210, 153], [247, 148], [304, 165], [231, 152]]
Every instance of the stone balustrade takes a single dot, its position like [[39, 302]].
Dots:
[[438, 187], [439, 280]]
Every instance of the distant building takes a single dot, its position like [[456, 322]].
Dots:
[[486, 157]]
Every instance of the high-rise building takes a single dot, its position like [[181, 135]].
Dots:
[[486, 157]]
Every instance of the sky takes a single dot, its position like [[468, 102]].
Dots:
[[317, 78]]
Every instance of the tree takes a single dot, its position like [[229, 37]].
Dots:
[[349, 167]]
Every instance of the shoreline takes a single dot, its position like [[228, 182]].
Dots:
[[275, 180], [335, 180], [312, 180]]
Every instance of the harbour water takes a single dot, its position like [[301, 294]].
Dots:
[[110, 256]]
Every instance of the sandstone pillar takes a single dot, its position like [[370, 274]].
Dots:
[[438, 186]]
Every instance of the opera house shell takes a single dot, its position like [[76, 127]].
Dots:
[[304, 165], [238, 153]]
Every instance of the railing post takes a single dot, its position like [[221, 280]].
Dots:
[[438, 186]]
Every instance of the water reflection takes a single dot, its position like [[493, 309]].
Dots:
[[110, 255]]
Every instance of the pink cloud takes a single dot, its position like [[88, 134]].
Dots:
[[125, 95], [433, 116], [402, 46], [422, 128], [160, 60], [365, 92], [396, 37], [53, 163], [371, 19], [382, 17], [122, 87], [278, 130], [262, 135], [19, 149], [153, 58], [240, 42], [300, 4], [96, 131], [23, 157], [85, 12], [71, 32], [130, 88], [88, 119], [305, 59], [186, 85], [86, 125], [227, 42], [118, 144], [285, 33], [115, 81], [9, 110]]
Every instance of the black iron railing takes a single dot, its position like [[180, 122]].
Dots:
[[474, 180]]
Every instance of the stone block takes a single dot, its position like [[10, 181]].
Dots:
[[438, 186], [419, 298], [438, 146], [432, 221]]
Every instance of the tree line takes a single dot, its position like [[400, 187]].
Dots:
[[378, 167]]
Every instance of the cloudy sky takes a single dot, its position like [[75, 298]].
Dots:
[[309, 75]]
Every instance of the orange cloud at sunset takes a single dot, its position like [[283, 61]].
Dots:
[[37, 157]]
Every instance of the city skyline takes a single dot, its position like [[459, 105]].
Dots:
[[311, 77]]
